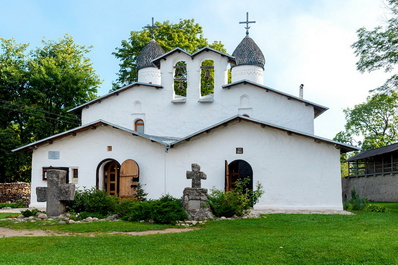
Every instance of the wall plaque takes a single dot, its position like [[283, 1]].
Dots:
[[53, 154], [239, 150]]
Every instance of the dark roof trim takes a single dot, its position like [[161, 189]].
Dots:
[[77, 110], [318, 109], [231, 59], [91, 126], [344, 148], [374, 152], [157, 60]]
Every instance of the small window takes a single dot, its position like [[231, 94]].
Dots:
[[75, 176], [139, 126], [75, 173], [45, 169]]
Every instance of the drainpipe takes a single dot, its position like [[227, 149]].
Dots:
[[165, 168]]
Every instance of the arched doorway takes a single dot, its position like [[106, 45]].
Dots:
[[111, 177], [238, 169], [116, 179]]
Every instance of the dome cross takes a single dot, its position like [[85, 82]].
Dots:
[[152, 29], [247, 23]]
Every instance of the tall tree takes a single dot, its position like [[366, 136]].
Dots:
[[377, 48], [37, 88], [186, 34], [372, 124]]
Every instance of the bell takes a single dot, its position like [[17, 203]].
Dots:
[[207, 74], [180, 86], [179, 73]]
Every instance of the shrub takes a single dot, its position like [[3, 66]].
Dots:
[[375, 208], [236, 201], [93, 201], [140, 193], [32, 212], [125, 207], [162, 211], [356, 203]]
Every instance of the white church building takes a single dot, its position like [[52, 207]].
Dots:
[[151, 131]]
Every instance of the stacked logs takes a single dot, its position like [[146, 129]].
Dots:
[[15, 192]]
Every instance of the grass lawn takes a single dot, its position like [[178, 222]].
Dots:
[[364, 238]]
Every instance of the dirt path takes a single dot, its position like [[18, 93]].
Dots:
[[7, 232]]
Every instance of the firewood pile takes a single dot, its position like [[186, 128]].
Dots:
[[15, 192]]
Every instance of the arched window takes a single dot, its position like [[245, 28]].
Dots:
[[139, 126], [244, 102], [207, 78], [137, 108], [180, 79]]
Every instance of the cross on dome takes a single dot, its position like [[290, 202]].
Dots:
[[247, 23], [152, 29]]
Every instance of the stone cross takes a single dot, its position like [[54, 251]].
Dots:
[[247, 23], [56, 193], [196, 175]]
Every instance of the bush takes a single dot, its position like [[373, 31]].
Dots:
[[33, 212], [162, 211], [125, 207], [93, 201], [356, 203], [140, 193], [236, 201], [375, 208]]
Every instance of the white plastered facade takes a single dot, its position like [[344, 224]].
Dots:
[[272, 130]]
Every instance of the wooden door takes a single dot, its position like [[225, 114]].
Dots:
[[111, 177], [129, 177], [227, 179]]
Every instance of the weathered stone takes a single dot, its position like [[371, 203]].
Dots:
[[42, 216], [56, 193], [196, 175], [195, 199]]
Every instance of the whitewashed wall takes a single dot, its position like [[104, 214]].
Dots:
[[87, 149], [296, 172], [164, 118]]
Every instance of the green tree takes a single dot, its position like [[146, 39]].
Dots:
[[60, 78], [37, 88], [377, 48], [371, 124], [186, 34]]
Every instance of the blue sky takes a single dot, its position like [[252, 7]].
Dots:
[[304, 41]]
